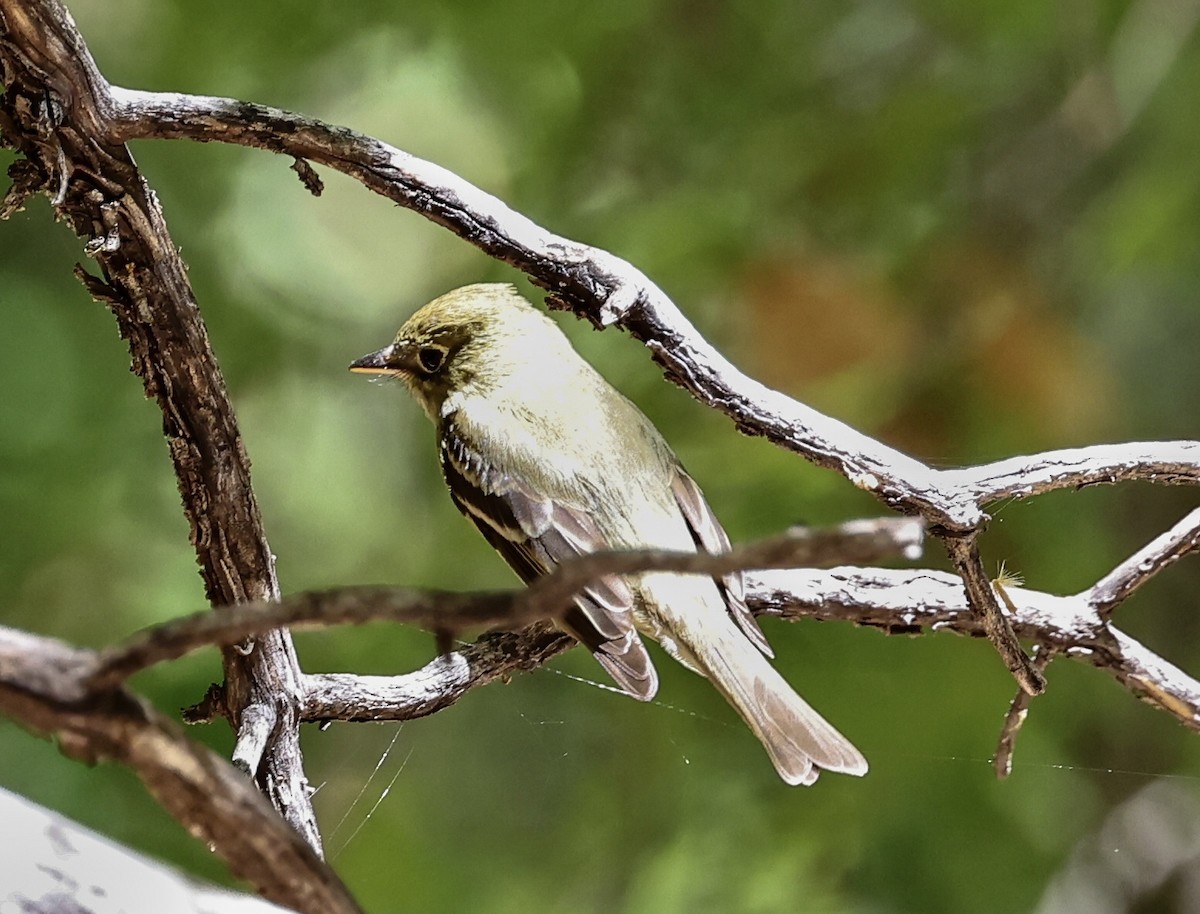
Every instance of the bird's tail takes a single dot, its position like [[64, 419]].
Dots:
[[798, 739]]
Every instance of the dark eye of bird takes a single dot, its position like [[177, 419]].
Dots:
[[431, 358]]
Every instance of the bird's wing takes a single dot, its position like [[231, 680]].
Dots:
[[533, 533], [710, 536]]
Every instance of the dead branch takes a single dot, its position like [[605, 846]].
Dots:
[[53, 111], [1018, 711], [894, 601], [70, 125], [450, 614], [607, 290], [44, 685], [1116, 586], [53, 864]]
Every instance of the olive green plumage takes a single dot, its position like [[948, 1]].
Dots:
[[550, 461]]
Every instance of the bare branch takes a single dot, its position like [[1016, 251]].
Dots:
[[257, 724], [308, 177], [608, 290], [1150, 677], [895, 601], [1165, 462], [1164, 550], [1018, 710], [797, 548], [910, 602], [55, 110], [432, 609], [43, 685], [964, 551], [611, 291], [904, 602], [453, 613], [437, 685], [600, 286]]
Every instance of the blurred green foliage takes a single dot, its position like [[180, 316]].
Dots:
[[969, 229]]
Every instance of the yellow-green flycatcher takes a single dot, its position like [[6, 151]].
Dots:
[[550, 461]]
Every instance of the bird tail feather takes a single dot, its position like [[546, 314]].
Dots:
[[799, 741]]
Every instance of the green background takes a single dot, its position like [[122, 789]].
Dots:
[[969, 229]]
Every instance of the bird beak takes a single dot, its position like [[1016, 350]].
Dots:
[[387, 360]]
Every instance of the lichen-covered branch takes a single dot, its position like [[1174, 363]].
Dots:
[[1163, 462], [912, 602]]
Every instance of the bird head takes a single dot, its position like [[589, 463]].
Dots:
[[469, 339]]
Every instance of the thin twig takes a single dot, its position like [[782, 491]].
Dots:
[[964, 551], [453, 613], [894, 601], [1018, 710], [1164, 550]]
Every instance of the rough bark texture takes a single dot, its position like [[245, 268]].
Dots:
[[44, 684], [53, 104], [608, 291], [70, 127]]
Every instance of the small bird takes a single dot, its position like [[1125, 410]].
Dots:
[[550, 461]]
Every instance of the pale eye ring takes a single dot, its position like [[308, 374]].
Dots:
[[431, 358]]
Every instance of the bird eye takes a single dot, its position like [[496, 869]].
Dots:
[[431, 358]]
